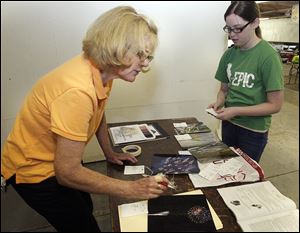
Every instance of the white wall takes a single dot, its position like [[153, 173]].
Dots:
[[38, 36], [280, 30]]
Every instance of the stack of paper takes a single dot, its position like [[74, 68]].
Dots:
[[125, 134]]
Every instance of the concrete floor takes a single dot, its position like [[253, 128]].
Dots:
[[280, 162]]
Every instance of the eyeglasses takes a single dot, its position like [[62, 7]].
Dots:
[[228, 29], [143, 57]]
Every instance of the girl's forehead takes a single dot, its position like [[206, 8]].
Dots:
[[234, 19]]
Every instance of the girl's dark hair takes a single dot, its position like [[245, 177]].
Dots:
[[248, 10]]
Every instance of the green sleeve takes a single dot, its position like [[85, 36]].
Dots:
[[221, 73], [272, 73]]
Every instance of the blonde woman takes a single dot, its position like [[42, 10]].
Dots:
[[42, 155]]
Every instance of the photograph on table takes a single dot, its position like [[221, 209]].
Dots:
[[209, 152], [179, 213], [182, 164], [192, 128]]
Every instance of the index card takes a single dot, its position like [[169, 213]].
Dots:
[[133, 209], [131, 170], [181, 124], [184, 152], [211, 111]]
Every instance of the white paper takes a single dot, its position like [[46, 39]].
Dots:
[[130, 133], [232, 166], [282, 222], [130, 170], [210, 171], [255, 200], [123, 134], [248, 172], [183, 137], [184, 152], [133, 209], [181, 124], [261, 207], [211, 111]]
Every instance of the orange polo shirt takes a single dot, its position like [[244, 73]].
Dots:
[[68, 101]]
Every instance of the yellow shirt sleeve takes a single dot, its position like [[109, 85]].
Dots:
[[71, 113]]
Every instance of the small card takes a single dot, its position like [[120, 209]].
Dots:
[[131, 170], [133, 209], [181, 124], [184, 152], [183, 137], [211, 111]]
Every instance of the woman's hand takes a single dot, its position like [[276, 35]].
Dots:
[[146, 188], [118, 158]]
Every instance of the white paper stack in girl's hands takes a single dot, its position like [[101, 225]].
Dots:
[[211, 111]]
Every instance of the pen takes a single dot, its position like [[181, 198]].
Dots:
[[163, 183], [169, 185]]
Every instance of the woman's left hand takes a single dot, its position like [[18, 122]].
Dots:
[[118, 158]]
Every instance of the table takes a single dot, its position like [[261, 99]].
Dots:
[[169, 146]]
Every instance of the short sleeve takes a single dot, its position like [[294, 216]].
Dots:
[[272, 74], [221, 73], [71, 113]]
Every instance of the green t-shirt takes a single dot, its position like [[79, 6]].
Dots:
[[250, 74]]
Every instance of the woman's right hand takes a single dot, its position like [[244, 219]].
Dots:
[[146, 188]]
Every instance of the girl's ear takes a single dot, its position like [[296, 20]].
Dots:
[[255, 23]]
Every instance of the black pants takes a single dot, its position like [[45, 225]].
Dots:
[[65, 209], [252, 143]]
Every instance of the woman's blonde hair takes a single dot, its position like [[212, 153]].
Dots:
[[117, 32]]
